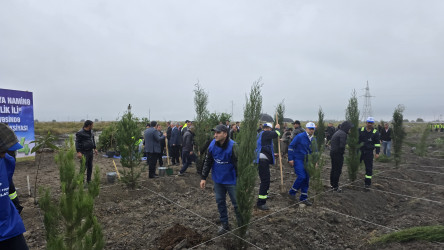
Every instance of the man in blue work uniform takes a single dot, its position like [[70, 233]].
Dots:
[[11, 225], [369, 137], [221, 159], [265, 157], [297, 151]]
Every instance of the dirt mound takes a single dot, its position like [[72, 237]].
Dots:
[[179, 234]]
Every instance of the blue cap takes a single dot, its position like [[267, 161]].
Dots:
[[15, 147], [370, 120]]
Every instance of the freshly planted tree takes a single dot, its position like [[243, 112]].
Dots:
[[354, 154], [422, 145], [201, 124], [280, 112], [320, 130], [44, 142], [71, 223], [247, 173], [313, 164], [107, 139], [398, 133], [128, 133]]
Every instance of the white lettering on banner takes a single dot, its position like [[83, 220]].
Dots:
[[19, 127], [19, 101], [10, 119], [2, 99], [4, 109]]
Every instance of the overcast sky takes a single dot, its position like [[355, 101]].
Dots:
[[90, 59]]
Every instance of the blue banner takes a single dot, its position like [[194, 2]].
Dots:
[[16, 110]]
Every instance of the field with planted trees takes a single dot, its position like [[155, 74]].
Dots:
[[404, 209]]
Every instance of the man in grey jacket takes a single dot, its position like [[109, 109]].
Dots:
[[297, 129], [338, 143], [187, 149], [152, 147]]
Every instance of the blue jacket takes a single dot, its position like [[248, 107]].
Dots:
[[265, 146], [222, 161], [11, 223], [175, 137], [299, 147], [152, 140]]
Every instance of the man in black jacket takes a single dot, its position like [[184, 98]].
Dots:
[[187, 149], [86, 146], [386, 139], [369, 137], [338, 143], [329, 131], [265, 157]]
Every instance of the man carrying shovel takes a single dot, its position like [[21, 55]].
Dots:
[[265, 157]]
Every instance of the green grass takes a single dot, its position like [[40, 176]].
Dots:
[[383, 158], [427, 233], [59, 128]]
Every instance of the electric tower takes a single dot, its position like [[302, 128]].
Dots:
[[367, 108]]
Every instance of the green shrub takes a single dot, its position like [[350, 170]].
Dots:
[[247, 173], [421, 147], [107, 139], [354, 154], [71, 224], [398, 133], [128, 133]]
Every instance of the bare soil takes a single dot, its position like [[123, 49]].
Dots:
[[173, 211]]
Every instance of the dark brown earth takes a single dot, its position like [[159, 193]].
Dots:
[[165, 212]]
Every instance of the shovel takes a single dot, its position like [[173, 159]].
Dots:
[[282, 188]]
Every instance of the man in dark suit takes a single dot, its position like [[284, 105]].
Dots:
[[175, 143], [152, 147]]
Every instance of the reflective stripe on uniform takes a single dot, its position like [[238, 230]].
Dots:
[[377, 145], [294, 189], [13, 195], [362, 129], [374, 131], [263, 197], [304, 194], [368, 176], [277, 132]]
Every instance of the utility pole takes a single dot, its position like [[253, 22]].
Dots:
[[367, 108]]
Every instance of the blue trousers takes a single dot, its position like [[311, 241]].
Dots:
[[221, 191], [301, 182], [386, 147], [187, 159]]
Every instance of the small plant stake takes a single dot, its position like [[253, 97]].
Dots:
[[117, 170], [168, 155], [280, 162], [29, 186]]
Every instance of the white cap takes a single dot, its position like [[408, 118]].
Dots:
[[267, 125], [370, 119], [310, 125]]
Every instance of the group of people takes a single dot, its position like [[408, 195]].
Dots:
[[221, 159], [437, 127], [180, 145]]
